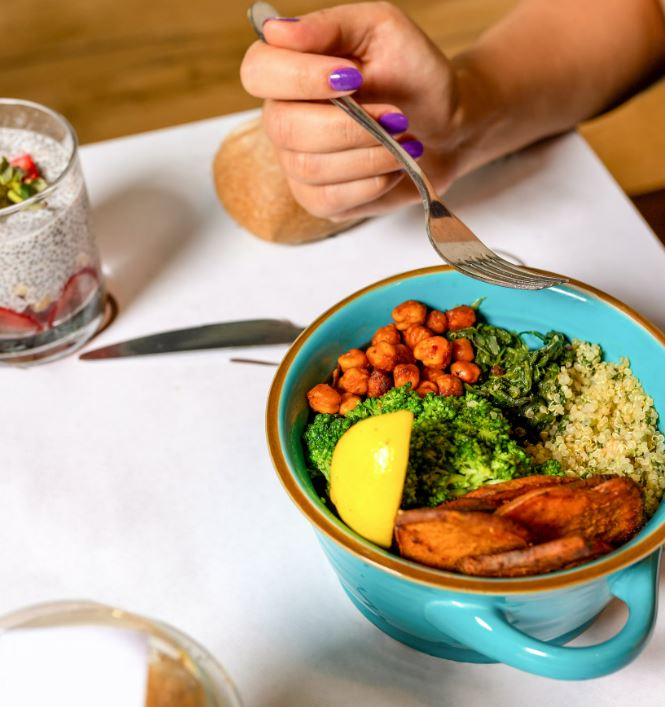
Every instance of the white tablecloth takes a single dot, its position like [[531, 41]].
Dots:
[[146, 482]]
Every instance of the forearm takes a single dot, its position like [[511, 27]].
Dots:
[[548, 65]]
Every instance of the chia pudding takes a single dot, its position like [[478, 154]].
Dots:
[[50, 276]]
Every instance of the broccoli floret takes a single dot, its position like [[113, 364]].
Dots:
[[429, 468], [438, 407], [320, 437], [457, 444], [550, 467], [402, 398]]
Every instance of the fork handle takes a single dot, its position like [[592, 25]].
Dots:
[[427, 192]]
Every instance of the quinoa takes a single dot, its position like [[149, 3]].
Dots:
[[607, 424]]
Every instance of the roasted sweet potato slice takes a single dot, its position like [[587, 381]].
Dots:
[[441, 538], [491, 496], [464, 503], [558, 554], [550, 512], [612, 510], [621, 501], [507, 490]]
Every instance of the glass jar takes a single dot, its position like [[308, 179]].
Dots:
[[51, 287]]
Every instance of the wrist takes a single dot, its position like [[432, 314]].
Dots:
[[480, 120]]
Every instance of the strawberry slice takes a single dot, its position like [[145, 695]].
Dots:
[[17, 323], [75, 294], [27, 164]]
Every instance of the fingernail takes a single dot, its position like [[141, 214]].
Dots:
[[414, 147], [394, 122], [282, 19], [345, 79]]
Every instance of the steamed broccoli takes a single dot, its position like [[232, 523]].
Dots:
[[457, 444], [320, 437]]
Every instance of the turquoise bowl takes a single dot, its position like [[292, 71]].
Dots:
[[523, 622]]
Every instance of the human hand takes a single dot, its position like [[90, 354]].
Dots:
[[335, 169]]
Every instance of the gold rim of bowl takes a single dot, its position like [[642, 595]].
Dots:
[[420, 573]]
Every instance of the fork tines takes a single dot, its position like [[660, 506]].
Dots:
[[497, 271]]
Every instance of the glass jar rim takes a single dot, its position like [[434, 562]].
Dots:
[[7, 210]]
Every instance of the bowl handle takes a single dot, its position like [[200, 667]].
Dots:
[[485, 629]]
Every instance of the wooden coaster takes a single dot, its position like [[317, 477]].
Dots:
[[110, 313]]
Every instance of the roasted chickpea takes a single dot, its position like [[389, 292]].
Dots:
[[354, 358], [387, 333], [349, 401], [437, 322], [435, 352], [334, 376], [354, 380], [406, 373], [382, 356], [431, 374], [415, 334], [465, 370], [463, 350], [379, 383], [461, 317], [404, 354], [408, 313], [446, 383], [426, 387], [324, 398], [449, 385]]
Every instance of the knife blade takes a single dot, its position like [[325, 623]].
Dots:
[[248, 332]]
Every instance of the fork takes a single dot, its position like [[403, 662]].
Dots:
[[450, 238]]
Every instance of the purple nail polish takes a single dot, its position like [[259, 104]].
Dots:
[[345, 79], [394, 122], [282, 19], [414, 147]]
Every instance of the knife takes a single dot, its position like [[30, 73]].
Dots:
[[249, 332]]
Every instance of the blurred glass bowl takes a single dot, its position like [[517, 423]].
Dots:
[[180, 671]]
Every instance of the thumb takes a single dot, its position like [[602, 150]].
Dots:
[[337, 31]]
